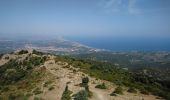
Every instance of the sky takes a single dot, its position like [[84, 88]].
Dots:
[[85, 17]]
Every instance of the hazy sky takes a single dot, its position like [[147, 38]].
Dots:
[[85, 17]]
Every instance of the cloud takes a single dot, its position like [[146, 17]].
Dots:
[[120, 6]]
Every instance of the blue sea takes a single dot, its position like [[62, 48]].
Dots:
[[125, 43]]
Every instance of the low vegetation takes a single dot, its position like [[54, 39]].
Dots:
[[1, 55], [113, 94], [113, 73], [47, 83], [144, 91], [37, 91], [22, 74], [85, 81], [51, 88], [66, 94], [132, 90], [7, 57], [37, 52], [19, 76], [84, 84], [101, 86], [23, 52], [81, 95], [118, 90]]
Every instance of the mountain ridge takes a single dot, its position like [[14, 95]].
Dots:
[[45, 76]]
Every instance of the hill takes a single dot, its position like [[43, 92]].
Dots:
[[33, 75]]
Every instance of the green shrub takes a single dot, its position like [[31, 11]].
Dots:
[[113, 94], [167, 96], [44, 58], [144, 91], [17, 96], [101, 86], [37, 52], [37, 91], [85, 80], [84, 84], [118, 90], [5, 89], [51, 88], [12, 97], [11, 75], [47, 83], [81, 95], [28, 94], [38, 98], [1, 55], [90, 94], [132, 90], [36, 61], [7, 57], [23, 52], [66, 94]]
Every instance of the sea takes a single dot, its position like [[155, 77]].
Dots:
[[125, 43]]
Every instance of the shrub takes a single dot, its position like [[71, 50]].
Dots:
[[38, 98], [37, 91], [85, 85], [36, 61], [16, 96], [12, 97], [28, 94], [118, 90], [11, 75], [132, 90], [37, 52], [23, 52], [143, 91], [81, 95], [113, 94], [1, 56], [90, 94], [5, 89], [101, 86], [7, 57], [168, 96], [51, 88], [66, 94], [44, 58], [85, 80], [47, 83]]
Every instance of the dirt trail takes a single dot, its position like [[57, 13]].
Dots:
[[62, 77]]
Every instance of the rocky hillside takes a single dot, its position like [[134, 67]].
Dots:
[[32, 75]]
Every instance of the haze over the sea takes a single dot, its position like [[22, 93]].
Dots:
[[119, 25]]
